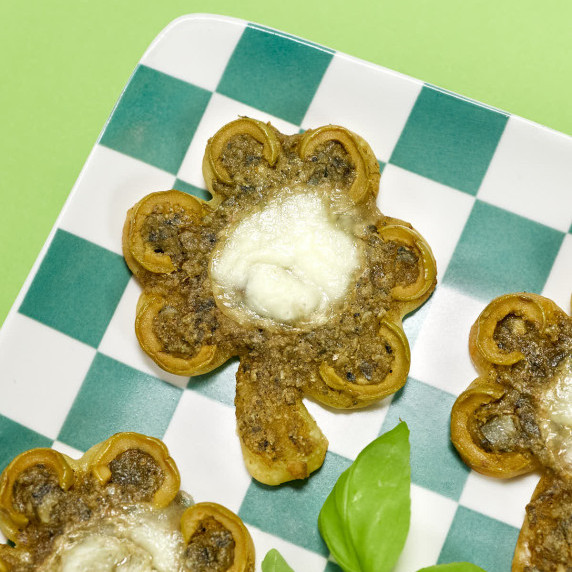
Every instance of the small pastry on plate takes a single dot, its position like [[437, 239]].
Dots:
[[292, 268], [516, 417], [118, 507]]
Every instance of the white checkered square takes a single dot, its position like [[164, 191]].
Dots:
[[181, 49], [68, 450], [431, 518], [412, 322], [203, 441], [502, 499], [348, 432], [440, 356], [109, 185], [531, 174], [39, 385], [373, 102], [438, 212], [558, 286], [120, 342], [219, 111]]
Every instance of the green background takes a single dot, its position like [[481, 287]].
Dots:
[[63, 65]]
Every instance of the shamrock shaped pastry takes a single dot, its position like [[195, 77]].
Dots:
[[292, 268], [118, 507], [516, 417]]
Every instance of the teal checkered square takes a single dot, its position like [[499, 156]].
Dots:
[[192, 190], [15, 439], [291, 510], [219, 384], [449, 139], [115, 397], [274, 73], [476, 538], [435, 464], [500, 252], [156, 119], [76, 288]]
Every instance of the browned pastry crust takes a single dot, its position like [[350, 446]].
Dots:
[[514, 418], [358, 356], [50, 503]]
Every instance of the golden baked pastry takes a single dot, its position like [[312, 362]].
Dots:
[[119, 505], [289, 266], [516, 417]]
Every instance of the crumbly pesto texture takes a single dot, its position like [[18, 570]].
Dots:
[[99, 526], [211, 547], [191, 317], [549, 517], [52, 512], [534, 419], [280, 362], [514, 422]]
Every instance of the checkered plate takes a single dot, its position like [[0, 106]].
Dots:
[[492, 194]]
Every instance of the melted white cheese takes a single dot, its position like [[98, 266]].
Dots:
[[289, 262], [556, 422], [105, 553], [500, 430], [142, 539]]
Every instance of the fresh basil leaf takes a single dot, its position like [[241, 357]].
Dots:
[[453, 567], [365, 519], [274, 562]]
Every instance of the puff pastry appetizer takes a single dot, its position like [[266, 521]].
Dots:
[[516, 417], [292, 268], [119, 507]]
